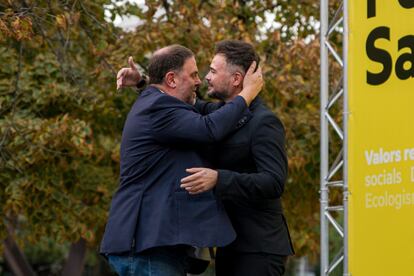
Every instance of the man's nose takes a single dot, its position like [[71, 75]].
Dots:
[[198, 81]]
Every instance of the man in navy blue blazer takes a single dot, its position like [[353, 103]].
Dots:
[[153, 222]]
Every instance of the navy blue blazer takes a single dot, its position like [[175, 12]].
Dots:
[[159, 141]]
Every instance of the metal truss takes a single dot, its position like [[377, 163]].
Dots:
[[331, 175]]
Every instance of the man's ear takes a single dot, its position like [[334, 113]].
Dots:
[[170, 79], [237, 79]]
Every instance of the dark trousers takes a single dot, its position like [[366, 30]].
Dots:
[[234, 263]]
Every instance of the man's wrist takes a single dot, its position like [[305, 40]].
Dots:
[[142, 82]]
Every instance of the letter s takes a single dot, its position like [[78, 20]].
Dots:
[[378, 55]]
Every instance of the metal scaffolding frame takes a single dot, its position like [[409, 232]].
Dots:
[[330, 173]]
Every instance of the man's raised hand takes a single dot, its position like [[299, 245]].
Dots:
[[128, 76], [252, 83]]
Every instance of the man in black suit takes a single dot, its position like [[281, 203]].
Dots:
[[153, 222], [252, 172]]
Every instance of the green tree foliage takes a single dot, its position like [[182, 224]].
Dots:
[[61, 118]]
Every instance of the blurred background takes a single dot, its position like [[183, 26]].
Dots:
[[61, 117]]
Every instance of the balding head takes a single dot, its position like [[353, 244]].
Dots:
[[164, 60]]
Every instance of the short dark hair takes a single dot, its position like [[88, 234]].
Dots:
[[170, 58], [237, 52]]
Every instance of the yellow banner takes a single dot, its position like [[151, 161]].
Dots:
[[381, 137]]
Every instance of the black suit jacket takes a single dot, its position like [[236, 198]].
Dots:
[[252, 170]]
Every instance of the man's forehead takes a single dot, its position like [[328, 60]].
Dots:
[[219, 61], [220, 58], [190, 64]]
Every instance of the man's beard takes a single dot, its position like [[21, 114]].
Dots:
[[219, 95]]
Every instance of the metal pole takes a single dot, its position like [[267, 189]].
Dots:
[[346, 135], [324, 150]]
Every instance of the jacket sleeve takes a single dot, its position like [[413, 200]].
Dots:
[[177, 122], [204, 107], [269, 155]]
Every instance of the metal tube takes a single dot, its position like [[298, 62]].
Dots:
[[334, 125], [335, 224], [335, 98], [335, 169], [324, 148], [339, 183], [336, 261], [334, 53], [337, 23], [337, 208]]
